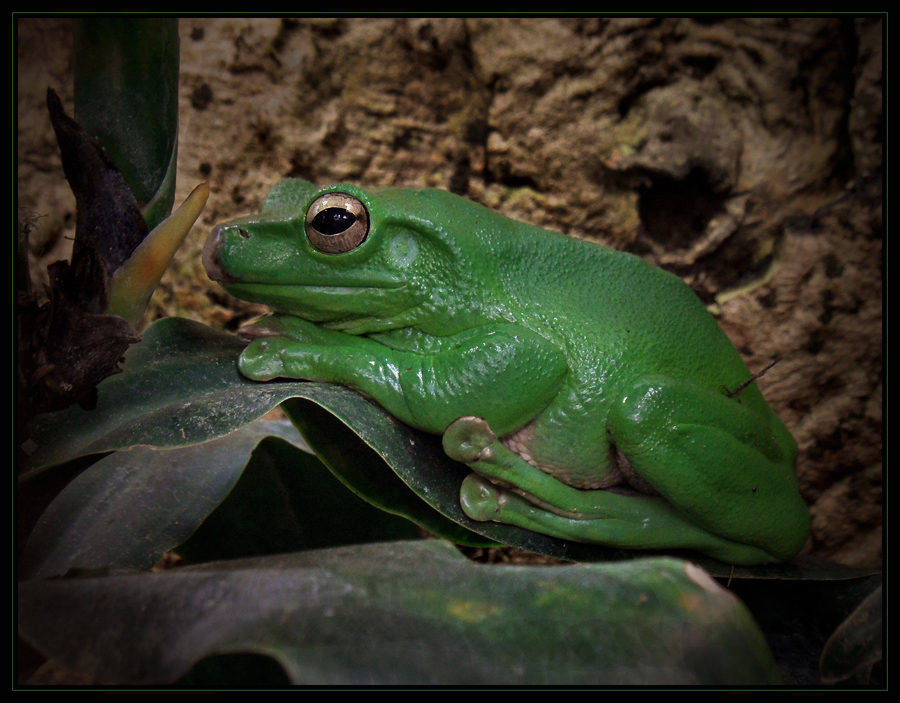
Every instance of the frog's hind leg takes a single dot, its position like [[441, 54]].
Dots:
[[725, 461], [556, 509], [660, 528]]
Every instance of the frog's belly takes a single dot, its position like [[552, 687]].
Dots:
[[584, 465]]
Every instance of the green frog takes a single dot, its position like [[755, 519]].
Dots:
[[592, 394]]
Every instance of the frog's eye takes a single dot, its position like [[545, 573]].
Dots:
[[337, 223]]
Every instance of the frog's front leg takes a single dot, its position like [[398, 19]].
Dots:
[[500, 371]]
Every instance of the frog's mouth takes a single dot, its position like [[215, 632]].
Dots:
[[364, 296], [318, 303]]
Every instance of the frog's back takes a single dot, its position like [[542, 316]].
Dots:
[[619, 315]]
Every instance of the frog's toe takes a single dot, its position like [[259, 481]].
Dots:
[[480, 500], [261, 361], [468, 439]]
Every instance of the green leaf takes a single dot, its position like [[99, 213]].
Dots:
[[857, 644], [408, 613], [377, 457], [155, 498], [126, 95], [180, 386], [285, 500]]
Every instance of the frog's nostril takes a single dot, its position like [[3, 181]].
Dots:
[[244, 233]]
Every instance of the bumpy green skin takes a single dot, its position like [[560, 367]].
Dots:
[[600, 369]]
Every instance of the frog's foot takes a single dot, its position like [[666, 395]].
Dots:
[[651, 524], [294, 328], [263, 360], [480, 499], [469, 439], [288, 347], [484, 501], [272, 338]]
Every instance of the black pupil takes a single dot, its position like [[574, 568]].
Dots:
[[333, 220]]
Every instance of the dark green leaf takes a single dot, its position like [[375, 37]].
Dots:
[[408, 613], [180, 386], [285, 500], [126, 95], [131, 506], [857, 644], [376, 457]]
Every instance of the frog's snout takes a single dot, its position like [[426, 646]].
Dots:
[[211, 254]]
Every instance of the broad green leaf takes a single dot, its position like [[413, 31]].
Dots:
[[404, 613], [287, 500], [155, 498], [180, 386], [283, 500]]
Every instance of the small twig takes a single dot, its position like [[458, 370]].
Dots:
[[750, 380]]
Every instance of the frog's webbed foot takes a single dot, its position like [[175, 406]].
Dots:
[[469, 439], [289, 347], [501, 474], [262, 359]]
